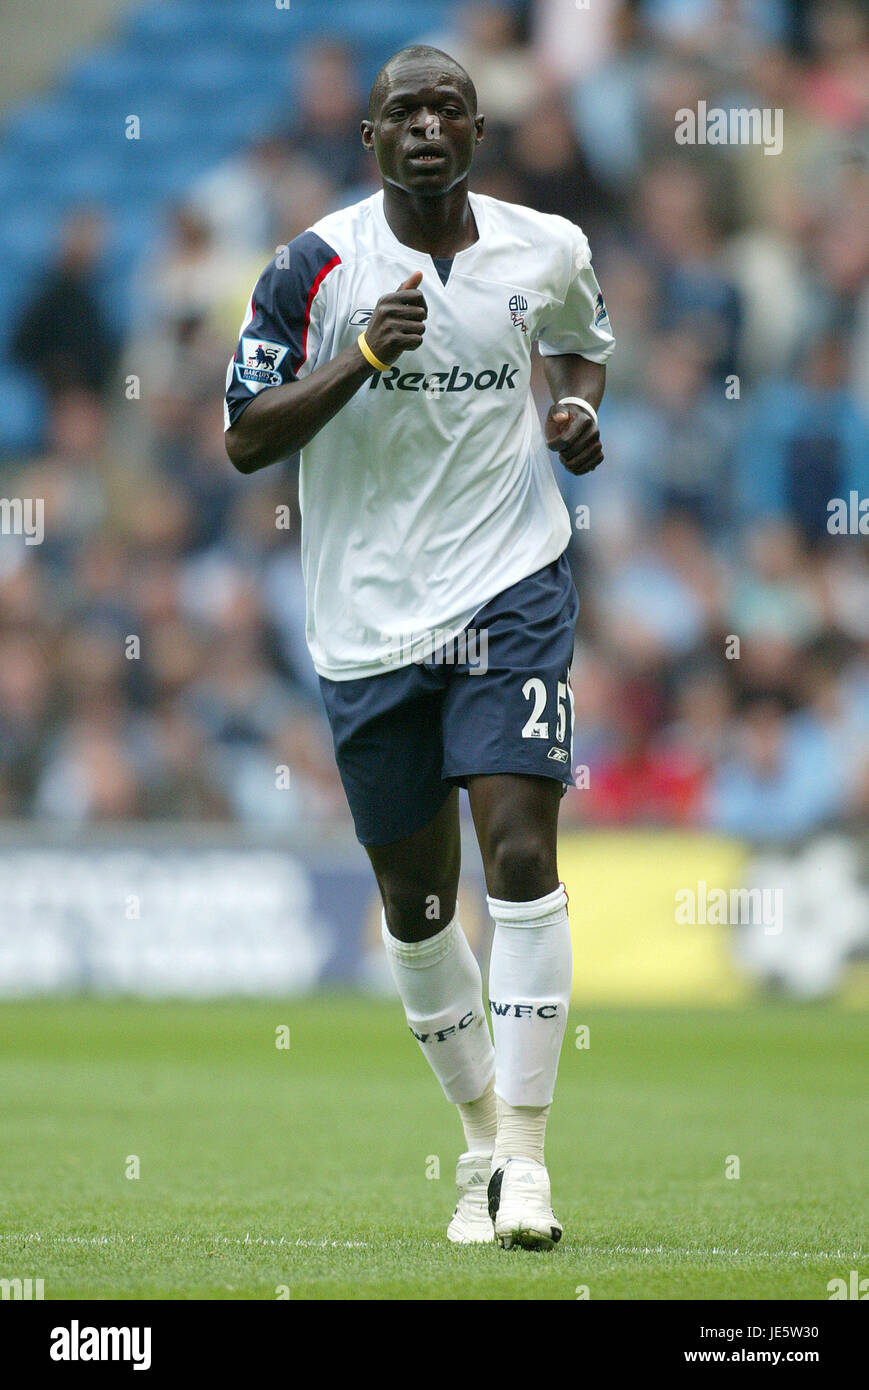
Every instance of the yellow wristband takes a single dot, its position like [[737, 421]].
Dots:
[[369, 355]]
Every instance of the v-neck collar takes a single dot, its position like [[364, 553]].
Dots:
[[443, 265], [424, 257]]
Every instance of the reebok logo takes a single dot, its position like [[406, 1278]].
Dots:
[[523, 1010], [454, 380]]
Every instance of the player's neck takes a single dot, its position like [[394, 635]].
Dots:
[[438, 226]]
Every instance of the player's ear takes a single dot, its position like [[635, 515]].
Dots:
[[367, 129], [479, 124]]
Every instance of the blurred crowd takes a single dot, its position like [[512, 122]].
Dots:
[[152, 653]]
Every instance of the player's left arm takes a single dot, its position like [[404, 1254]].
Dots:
[[570, 429], [575, 339]]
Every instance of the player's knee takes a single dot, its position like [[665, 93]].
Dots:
[[415, 911], [521, 866]]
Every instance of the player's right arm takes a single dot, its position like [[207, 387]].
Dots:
[[281, 420]]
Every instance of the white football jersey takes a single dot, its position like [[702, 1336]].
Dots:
[[432, 490]]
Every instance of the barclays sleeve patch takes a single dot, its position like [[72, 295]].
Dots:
[[260, 363]]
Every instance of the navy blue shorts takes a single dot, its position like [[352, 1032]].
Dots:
[[497, 699]]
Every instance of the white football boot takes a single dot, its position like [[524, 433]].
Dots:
[[471, 1223], [520, 1205]]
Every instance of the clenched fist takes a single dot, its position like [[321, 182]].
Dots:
[[573, 433], [398, 322]]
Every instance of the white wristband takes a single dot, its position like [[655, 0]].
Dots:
[[584, 405]]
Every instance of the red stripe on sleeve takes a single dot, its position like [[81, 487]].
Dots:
[[330, 265]]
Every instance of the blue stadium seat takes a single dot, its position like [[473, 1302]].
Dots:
[[44, 126], [28, 239], [14, 291], [130, 233], [107, 72], [249, 25], [383, 24], [222, 69], [205, 77], [88, 177], [23, 417], [115, 290], [259, 26], [160, 28]]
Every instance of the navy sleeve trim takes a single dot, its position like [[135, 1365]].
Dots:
[[274, 335]]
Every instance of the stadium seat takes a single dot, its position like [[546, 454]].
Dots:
[[157, 29], [37, 128], [199, 94], [28, 237], [22, 419], [265, 26]]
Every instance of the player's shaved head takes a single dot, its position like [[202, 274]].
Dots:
[[422, 55], [422, 93]]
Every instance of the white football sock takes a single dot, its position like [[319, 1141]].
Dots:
[[440, 987], [480, 1121], [530, 975], [521, 1132]]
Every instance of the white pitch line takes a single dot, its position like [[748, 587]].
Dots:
[[598, 1251], [175, 1239], [702, 1253]]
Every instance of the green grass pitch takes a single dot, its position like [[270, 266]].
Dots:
[[305, 1169]]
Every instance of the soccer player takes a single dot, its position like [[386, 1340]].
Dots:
[[391, 344]]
